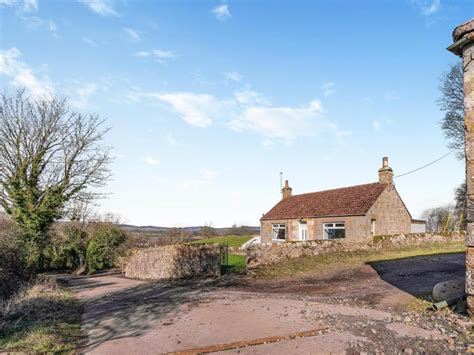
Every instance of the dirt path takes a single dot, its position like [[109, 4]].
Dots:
[[358, 311]]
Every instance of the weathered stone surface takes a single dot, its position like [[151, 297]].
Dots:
[[174, 261], [462, 29], [272, 253]]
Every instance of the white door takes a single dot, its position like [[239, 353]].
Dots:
[[303, 231]]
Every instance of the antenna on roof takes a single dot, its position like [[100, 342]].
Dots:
[[281, 180]]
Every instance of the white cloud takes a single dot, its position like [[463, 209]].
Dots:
[[134, 35], [142, 54], [250, 97], [376, 125], [100, 7], [249, 111], [89, 41], [81, 98], [196, 109], [282, 123], [221, 12], [427, 7], [234, 76], [150, 161], [328, 89], [159, 54], [22, 5], [30, 5], [22, 75]]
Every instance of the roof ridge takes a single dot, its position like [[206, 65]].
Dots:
[[337, 188]]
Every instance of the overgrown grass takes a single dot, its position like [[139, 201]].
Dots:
[[43, 317], [316, 264], [232, 240]]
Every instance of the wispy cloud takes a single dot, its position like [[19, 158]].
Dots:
[[196, 109], [90, 42], [134, 35], [391, 95], [150, 161], [30, 5], [100, 7], [21, 74], [376, 125], [234, 76], [282, 124], [328, 89], [159, 54], [250, 97], [249, 111], [81, 98], [427, 7], [221, 12]]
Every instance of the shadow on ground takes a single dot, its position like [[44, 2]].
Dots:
[[418, 275], [134, 311]]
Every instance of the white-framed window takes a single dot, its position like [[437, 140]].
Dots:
[[372, 227], [335, 230], [278, 231]]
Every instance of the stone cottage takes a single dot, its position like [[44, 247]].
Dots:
[[354, 213]]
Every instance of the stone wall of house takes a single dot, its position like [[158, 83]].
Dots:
[[174, 261], [272, 253], [390, 214]]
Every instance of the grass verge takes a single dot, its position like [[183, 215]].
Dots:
[[42, 317], [232, 240], [316, 264]]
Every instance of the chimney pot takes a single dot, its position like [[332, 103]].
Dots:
[[385, 172], [286, 190]]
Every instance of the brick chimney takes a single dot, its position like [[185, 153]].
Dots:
[[286, 190], [385, 172]]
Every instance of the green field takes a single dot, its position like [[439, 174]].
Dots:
[[231, 240], [237, 262]]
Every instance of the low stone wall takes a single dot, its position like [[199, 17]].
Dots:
[[272, 253], [174, 261]]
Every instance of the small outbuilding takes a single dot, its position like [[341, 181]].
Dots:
[[355, 213]]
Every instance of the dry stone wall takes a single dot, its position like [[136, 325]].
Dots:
[[272, 253], [174, 261]]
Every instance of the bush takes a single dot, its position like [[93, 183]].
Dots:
[[103, 247], [68, 250], [13, 270]]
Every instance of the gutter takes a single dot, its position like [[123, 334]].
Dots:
[[456, 47]]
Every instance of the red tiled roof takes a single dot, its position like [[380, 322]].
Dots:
[[346, 201]]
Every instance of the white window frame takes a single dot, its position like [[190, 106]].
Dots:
[[373, 226], [333, 225], [300, 235], [278, 226]]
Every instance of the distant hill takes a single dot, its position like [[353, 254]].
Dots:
[[195, 230]]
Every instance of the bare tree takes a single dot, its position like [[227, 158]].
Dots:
[[49, 158], [452, 103]]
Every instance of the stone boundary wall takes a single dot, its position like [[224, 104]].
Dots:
[[272, 253], [174, 261]]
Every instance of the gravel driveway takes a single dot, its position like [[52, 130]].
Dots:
[[354, 310]]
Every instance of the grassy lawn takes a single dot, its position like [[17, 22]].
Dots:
[[232, 240], [237, 263], [314, 264], [43, 318]]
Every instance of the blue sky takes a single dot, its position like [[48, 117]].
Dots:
[[208, 100]]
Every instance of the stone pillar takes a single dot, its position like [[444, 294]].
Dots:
[[463, 46]]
